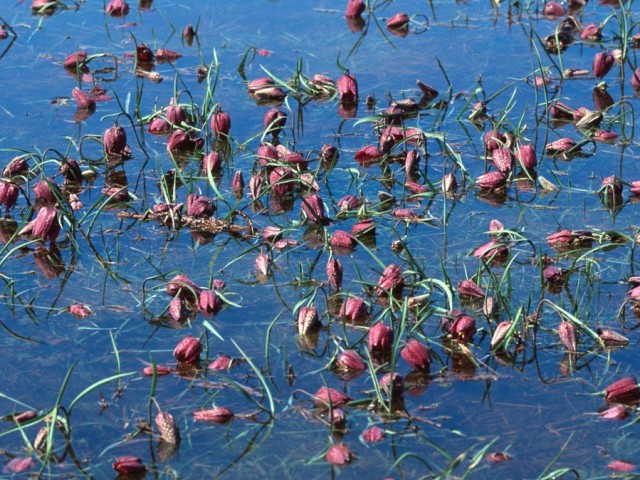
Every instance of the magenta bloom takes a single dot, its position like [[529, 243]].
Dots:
[[188, 350], [199, 206], [117, 8], [334, 274], [347, 88], [416, 355], [45, 226], [602, 63], [114, 140], [625, 391], [354, 8], [220, 123], [353, 309], [380, 338]]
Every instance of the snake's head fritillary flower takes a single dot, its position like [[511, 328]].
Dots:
[[188, 350]]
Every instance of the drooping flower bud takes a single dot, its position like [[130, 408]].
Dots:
[[144, 54], [282, 181], [176, 114], [553, 9], [611, 185], [182, 286], [391, 281], [329, 397], [161, 370], [602, 63], [614, 412], [492, 180], [406, 214], [274, 121], [353, 310], [400, 21], [462, 328], [489, 306], [79, 311], [167, 427], [591, 33], [416, 355], [562, 145], [624, 391], [47, 191], [16, 167], [392, 384], [340, 455], [45, 227], [223, 362], [494, 139], [342, 242], [209, 302], [415, 188], [354, 8], [337, 418], [350, 363], [380, 338], [199, 206], [334, 274], [24, 417], [70, 169], [526, 156], [114, 140], [368, 155], [237, 184], [500, 333], [611, 338], [9, 192], [469, 288], [567, 334], [219, 415], [129, 465], [565, 239], [117, 8], [502, 159], [75, 61], [348, 202], [328, 154], [211, 164], [264, 89], [411, 163], [635, 79], [188, 350], [159, 126], [478, 112], [256, 182], [189, 34], [364, 228], [263, 264], [84, 100], [178, 309], [165, 55], [449, 184], [347, 88], [308, 321], [492, 249], [604, 136], [313, 209], [373, 435], [220, 123], [553, 275], [181, 141]]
